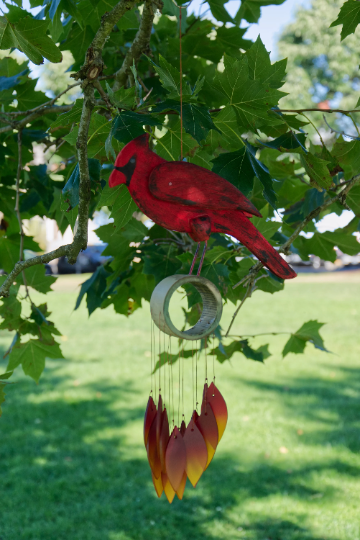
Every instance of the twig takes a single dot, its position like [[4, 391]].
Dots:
[[139, 45], [247, 295], [336, 131]]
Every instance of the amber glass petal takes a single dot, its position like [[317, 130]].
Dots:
[[180, 491], [168, 489], [175, 459], [164, 439], [158, 485], [150, 414], [152, 453], [196, 453], [209, 430], [158, 423], [219, 408]]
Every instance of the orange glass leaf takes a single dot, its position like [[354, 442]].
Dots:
[[175, 459], [209, 430], [196, 453], [150, 414], [168, 489], [180, 491], [152, 453], [158, 485], [164, 439], [218, 405], [158, 420]]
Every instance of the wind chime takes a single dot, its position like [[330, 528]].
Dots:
[[189, 449], [184, 197]]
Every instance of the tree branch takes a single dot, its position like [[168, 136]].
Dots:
[[20, 124], [140, 44]]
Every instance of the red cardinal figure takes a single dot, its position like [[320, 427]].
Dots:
[[186, 198]]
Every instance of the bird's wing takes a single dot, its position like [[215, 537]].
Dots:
[[187, 184]]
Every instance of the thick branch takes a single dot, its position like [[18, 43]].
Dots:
[[139, 46], [81, 234], [23, 265]]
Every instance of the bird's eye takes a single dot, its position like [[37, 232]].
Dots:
[[132, 160]]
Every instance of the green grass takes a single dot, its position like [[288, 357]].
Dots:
[[72, 462]]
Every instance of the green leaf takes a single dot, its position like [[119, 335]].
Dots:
[[160, 261], [287, 141], [71, 189], [323, 245], [27, 97], [219, 12], [129, 125], [169, 146], [317, 169], [240, 167], [249, 98], [94, 287], [196, 118], [308, 332], [10, 312], [19, 30], [32, 356], [37, 278], [349, 17], [71, 117], [261, 69], [353, 199], [169, 76], [348, 155], [225, 352]]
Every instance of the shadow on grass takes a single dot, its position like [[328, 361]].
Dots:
[[69, 473], [334, 403]]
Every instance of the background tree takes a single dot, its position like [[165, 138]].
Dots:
[[126, 65]]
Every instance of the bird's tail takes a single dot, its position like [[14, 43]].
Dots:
[[236, 224]]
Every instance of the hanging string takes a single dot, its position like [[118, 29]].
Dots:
[[181, 96], [172, 386], [159, 359], [154, 352], [206, 377], [182, 384], [179, 360], [151, 356], [213, 357], [192, 373], [196, 367]]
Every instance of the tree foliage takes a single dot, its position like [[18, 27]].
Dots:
[[126, 67]]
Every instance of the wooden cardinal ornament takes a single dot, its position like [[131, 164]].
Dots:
[[187, 198]]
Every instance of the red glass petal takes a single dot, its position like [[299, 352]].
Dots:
[[175, 459], [164, 439], [158, 423], [183, 428], [180, 491], [152, 453], [209, 430], [158, 485], [196, 453], [218, 405], [168, 489], [194, 416], [150, 414]]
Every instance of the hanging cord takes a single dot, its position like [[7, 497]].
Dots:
[[206, 377], [172, 387], [192, 374], [181, 95], [213, 356], [159, 358], [182, 385], [179, 360], [196, 365]]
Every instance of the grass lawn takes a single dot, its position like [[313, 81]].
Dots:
[[72, 461]]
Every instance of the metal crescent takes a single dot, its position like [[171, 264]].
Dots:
[[209, 318]]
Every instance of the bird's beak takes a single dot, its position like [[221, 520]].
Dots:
[[116, 178]]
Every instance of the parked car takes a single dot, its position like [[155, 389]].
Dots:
[[87, 261]]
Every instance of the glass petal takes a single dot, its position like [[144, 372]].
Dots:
[[150, 414], [152, 453], [158, 485], [158, 423], [175, 459], [183, 428], [164, 439], [180, 491], [196, 453], [209, 430], [218, 405], [168, 489]]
